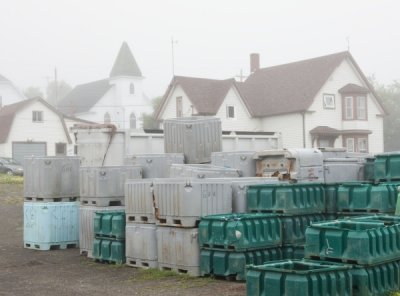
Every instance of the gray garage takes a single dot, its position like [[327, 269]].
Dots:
[[22, 149]]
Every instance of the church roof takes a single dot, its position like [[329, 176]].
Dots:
[[125, 64]]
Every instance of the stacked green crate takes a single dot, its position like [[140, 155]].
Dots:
[[360, 199], [371, 244], [229, 242], [109, 242], [298, 205]]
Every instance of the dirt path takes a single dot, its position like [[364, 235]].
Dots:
[[65, 272]]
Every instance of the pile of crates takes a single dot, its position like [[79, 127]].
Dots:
[[101, 190], [51, 194], [360, 251]]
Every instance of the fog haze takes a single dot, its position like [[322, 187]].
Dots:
[[214, 38]]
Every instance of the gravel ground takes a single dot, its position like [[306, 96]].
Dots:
[[65, 272]]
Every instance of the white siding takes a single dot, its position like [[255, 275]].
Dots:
[[242, 120], [23, 129], [289, 125], [169, 109], [319, 116]]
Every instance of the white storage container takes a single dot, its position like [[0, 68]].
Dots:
[[202, 171], [141, 245], [339, 170], [100, 144], [86, 226], [106, 182], [239, 191], [195, 137], [178, 250], [51, 177], [240, 160], [139, 201], [181, 202], [330, 152], [51, 225], [303, 165], [155, 165]]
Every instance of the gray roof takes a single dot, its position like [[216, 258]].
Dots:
[[125, 64], [2, 78], [282, 89], [83, 97]]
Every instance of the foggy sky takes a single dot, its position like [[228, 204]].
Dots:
[[215, 37]]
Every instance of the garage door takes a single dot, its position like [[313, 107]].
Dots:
[[22, 149]]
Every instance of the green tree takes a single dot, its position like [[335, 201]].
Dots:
[[57, 92], [32, 92], [149, 120], [390, 95]]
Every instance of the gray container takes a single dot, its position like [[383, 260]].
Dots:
[[181, 202], [302, 165], [178, 250], [106, 182], [338, 170], [239, 191], [139, 201], [155, 165], [240, 160], [141, 245], [195, 137], [202, 171], [51, 177], [86, 226]]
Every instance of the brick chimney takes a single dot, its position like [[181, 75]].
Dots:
[[254, 62]]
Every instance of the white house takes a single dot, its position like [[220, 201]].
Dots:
[[119, 99], [321, 102], [9, 93], [34, 127]]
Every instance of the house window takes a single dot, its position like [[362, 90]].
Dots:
[[348, 104], [131, 89], [61, 149], [362, 144], [230, 111], [350, 145], [329, 101], [179, 107], [75, 149], [37, 116], [361, 108], [356, 143], [132, 121], [107, 118], [355, 108]]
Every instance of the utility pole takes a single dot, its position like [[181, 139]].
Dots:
[[348, 43], [173, 56], [241, 76]]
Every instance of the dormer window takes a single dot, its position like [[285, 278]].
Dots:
[[131, 88], [354, 102]]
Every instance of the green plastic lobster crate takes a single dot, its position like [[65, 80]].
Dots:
[[387, 166], [386, 219], [352, 241], [109, 250], [369, 169], [109, 224], [299, 277], [232, 265], [365, 197], [331, 198], [377, 279], [240, 232], [297, 199], [293, 252], [294, 227]]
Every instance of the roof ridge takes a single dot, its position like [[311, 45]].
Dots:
[[344, 53]]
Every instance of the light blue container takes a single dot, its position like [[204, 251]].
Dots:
[[51, 225]]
